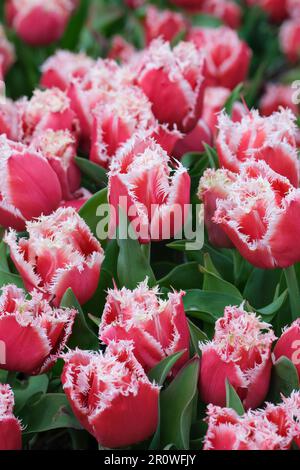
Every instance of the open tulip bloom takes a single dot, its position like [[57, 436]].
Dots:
[[150, 227]]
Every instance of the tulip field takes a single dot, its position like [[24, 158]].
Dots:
[[150, 225]]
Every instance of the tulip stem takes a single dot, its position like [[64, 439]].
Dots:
[[293, 289]]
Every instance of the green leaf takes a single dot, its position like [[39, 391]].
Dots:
[[82, 336], [184, 276], [206, 21], [269, 312], [10, 278], [95, 172], [213, 282], [284, 380], [207, 306], [3, 257], [234, 96], [160, 372], [51, 411], [90, 211], [212, 156], [133, 265], [25, 390], [72, 33], [233, 400], [177, 406], [196, 336]]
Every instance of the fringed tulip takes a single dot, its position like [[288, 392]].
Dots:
[[277, 96], [239, 352], [214, 186], [47, 109], [141, 184], [111, 395], [37, 22], [59, 147], [7, 53], [290, 39], [10, 426], [194, 141], [30, 186], [271, 139], [9, 119], [261, 216], [64, 66], [227, 57], [121, 49], [60, 252], [165, 24], [33, 332], [188, 4], [158, 328], [173, 80], [288, 344]]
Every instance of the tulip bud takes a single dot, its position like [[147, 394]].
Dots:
[[60, 150], [140, 183], [293, 7], [215, 185], [7, 53], [37, 22], [227, 57], [239, 352], [277, 9], [260, 215], [173, 80], [290, 39], [157, 328], [275, 97], [165, 24], [121, 49], [29, 187], [59, 253], [288, 344], [111, 395], [228, 11], [271, 139], [64, 66], [47, 109], [34, 333], [10, 426]]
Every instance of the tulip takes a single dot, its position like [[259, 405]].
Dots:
[[59, 147], [157, 328], [64, 66], [288, 344], [188, 4], [165, 24], [260, 216], [7, 53], [271, 139], [252, 431], [34, 333], [275, 97], [215, 186], [29, 187], [80, 197], [140, 183], [86, 92], [10, 426], [277, 9], [227, 57], [290, 39], [293, 7], [47, 109], [228, 11], [134, 3], [111, 395], [118, 117], [239, 352], [60, 252], [173, 80], [37, 22]]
